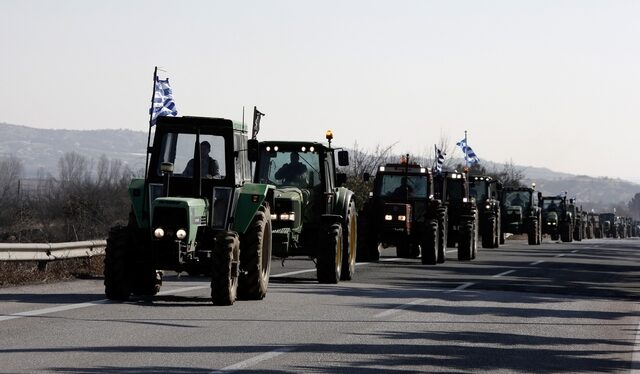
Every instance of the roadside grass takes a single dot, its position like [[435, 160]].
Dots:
[[17, 273]]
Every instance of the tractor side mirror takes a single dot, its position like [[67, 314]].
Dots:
[[253, 150], [343, 158], [366, 177], [166, 168], [341, 179]]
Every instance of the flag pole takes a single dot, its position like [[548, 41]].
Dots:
[[466, 160], [153, 97]]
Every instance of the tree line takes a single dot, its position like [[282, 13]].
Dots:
[[86, 197]]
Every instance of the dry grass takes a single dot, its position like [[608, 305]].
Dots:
[[15, 273]]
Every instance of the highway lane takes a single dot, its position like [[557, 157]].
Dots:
[[549, 308]]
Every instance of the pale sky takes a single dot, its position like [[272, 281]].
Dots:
[[543, 83]]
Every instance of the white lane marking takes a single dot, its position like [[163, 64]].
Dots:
[[574, 251], [292, 273], [503, 273], [253, 360], [561, 255], [62, 308], [536, 262], [461, 287], [54, 309], [635, 359], [389, 312]]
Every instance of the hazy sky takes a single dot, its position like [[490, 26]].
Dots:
[[543, 83]]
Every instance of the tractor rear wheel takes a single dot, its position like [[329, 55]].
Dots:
[[565, 232], [255, 257], [430, 243], [116, 263], [465, 244], [224, 272], [442, 235], [349, 243], [403, 248], [532, 234], [329, 259], [489, 232]]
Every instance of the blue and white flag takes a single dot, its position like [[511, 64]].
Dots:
[[469, 155], [162, 103], [439, 159]]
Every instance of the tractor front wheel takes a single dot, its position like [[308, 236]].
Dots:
[[224, 273], [430, 243], [329, 258], [116, 279], [255, 257]]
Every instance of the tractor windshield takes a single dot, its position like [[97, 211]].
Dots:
[[551, 205], [289, 168], [478, 190], [517, 198], [400, 186], [179, 149]]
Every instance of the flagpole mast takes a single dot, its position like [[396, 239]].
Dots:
[[153, 97], [466, 160]]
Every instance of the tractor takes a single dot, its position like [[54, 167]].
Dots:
[[486, 191], [401, 211], [197, 211], [521, 213], [313, 215], [452, 188], [551, 212], [609, 225]]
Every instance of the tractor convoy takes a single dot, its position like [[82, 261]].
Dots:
[[214, 202]]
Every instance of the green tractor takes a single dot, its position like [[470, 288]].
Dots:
[[452, 188], [401, 211], [576, 219], [609, 225], [521, 213], [551, 213], [486, 191], [313, 215], [195, 211]]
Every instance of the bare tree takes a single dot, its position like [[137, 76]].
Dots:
[[364, 162]]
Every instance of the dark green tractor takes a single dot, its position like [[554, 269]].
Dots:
[[313, 215], [486, 191], [575, 213], [402, 211], [552, 210], [521, 213], [609, 225], [196, 211], [462, 214]]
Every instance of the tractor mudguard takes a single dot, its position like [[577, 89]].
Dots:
[[343, 198], [248, 199]]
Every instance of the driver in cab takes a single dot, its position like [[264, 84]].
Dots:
[[293, 173]]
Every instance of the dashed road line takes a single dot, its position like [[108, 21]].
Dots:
[[389, 312], [461, 287], [253, 360], [561, 255], [536, 263], [503, 273], [574, 251]]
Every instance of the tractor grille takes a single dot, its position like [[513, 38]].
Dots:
[[170, 218]]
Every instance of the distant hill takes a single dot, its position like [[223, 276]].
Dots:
[[40, 149]]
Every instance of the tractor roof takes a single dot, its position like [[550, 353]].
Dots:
[[202, 122], [292, 144]]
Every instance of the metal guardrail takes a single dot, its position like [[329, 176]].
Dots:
[[51, 251]]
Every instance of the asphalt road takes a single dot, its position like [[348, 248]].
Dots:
[[554, 308]]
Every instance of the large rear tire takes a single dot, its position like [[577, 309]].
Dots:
[[224, 272], [465, 244], [255, 257], [532, 234], [116, 279], [329, 259], [430, 243], [565, 232], [489, 232], [442, 235], [349, 243]]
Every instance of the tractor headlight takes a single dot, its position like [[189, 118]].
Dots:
[[388, 217], [158, 233], [402, 218], [181, 234], [487, 206], [464, 200], [274, 217], [288, 217]]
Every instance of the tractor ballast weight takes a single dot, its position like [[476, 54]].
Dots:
[[313, 214], [521, 213], [195, 212], [487, 191], [462, 214], [402, 211]]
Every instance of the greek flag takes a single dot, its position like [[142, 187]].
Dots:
[[469, 155], [439, 159], [162, 104]]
